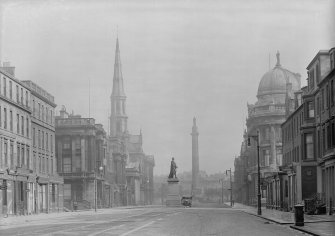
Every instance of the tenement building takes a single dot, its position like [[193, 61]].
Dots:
[[49, 186], [274, 101], [28, 180], [82, 160], [309, 138]]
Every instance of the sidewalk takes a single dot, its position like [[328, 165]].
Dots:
[[314, 224]]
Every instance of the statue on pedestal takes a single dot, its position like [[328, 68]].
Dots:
[[173, 169]]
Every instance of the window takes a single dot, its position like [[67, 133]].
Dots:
[[22, 156], [22, 125], [51, 143], [27, 127], [17, 94], [10, 90], [332, 93], [327, 96], [46, 115], [18, 123], [51, 121], [42, 139], [310, 109], [47, 165], [318, 106], [333, 133], [66, 165], [11, 154], [22, 96], [26, 98], [39, 111], [311, 79], [18, 155], [5, 118], [322, 100], [328, 136], [34, 108], [46, 141], [11, 120], [28, 159], [317, 73], [39, 139], [34, 137], [52, 166], [4, 86], [5, 146], [309, 149], [42, 112]]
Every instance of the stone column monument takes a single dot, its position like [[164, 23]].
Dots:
[[195, 159]]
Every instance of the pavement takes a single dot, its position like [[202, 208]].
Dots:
[[323, 225]]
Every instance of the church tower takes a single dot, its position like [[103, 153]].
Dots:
[[118, 119], [195, 157]]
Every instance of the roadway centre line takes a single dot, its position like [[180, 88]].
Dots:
[[136, 229], [105, 230]]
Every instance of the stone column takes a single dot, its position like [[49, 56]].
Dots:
[[273, 159], [195, 157]]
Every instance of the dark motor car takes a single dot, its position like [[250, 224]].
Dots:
[[186, 201]]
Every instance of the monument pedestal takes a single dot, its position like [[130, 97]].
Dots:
[[173, 197]]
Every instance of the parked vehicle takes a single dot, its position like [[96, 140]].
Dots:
[[186, 201]]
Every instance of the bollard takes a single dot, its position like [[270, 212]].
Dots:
[[299, 215], [330, 206]]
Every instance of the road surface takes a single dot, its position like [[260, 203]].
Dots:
[[150, 222]]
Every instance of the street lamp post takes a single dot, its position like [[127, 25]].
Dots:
[[256, 137], [221, 180], [231, 187], [96, 187]]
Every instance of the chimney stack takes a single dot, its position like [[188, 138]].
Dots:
[[8, 68]]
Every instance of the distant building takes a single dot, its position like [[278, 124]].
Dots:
[[134, 169], [82, 160], [140, 185]]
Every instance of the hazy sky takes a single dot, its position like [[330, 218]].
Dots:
[[179, 59]]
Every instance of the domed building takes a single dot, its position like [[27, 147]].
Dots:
[[274, 102]]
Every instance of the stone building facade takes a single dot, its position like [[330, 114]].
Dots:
[[49, 186], [82, 153], [274, 101], [134, 169], [28, 180]]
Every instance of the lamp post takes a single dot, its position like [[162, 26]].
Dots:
[[256, 137], [231, 187], [221, 180], [96, 187]]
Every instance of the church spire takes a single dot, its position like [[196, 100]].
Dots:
[[117, 78], [118, 119]]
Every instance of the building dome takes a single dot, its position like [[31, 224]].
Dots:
[[276, 80]]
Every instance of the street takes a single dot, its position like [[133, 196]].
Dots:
[[149, 221]]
